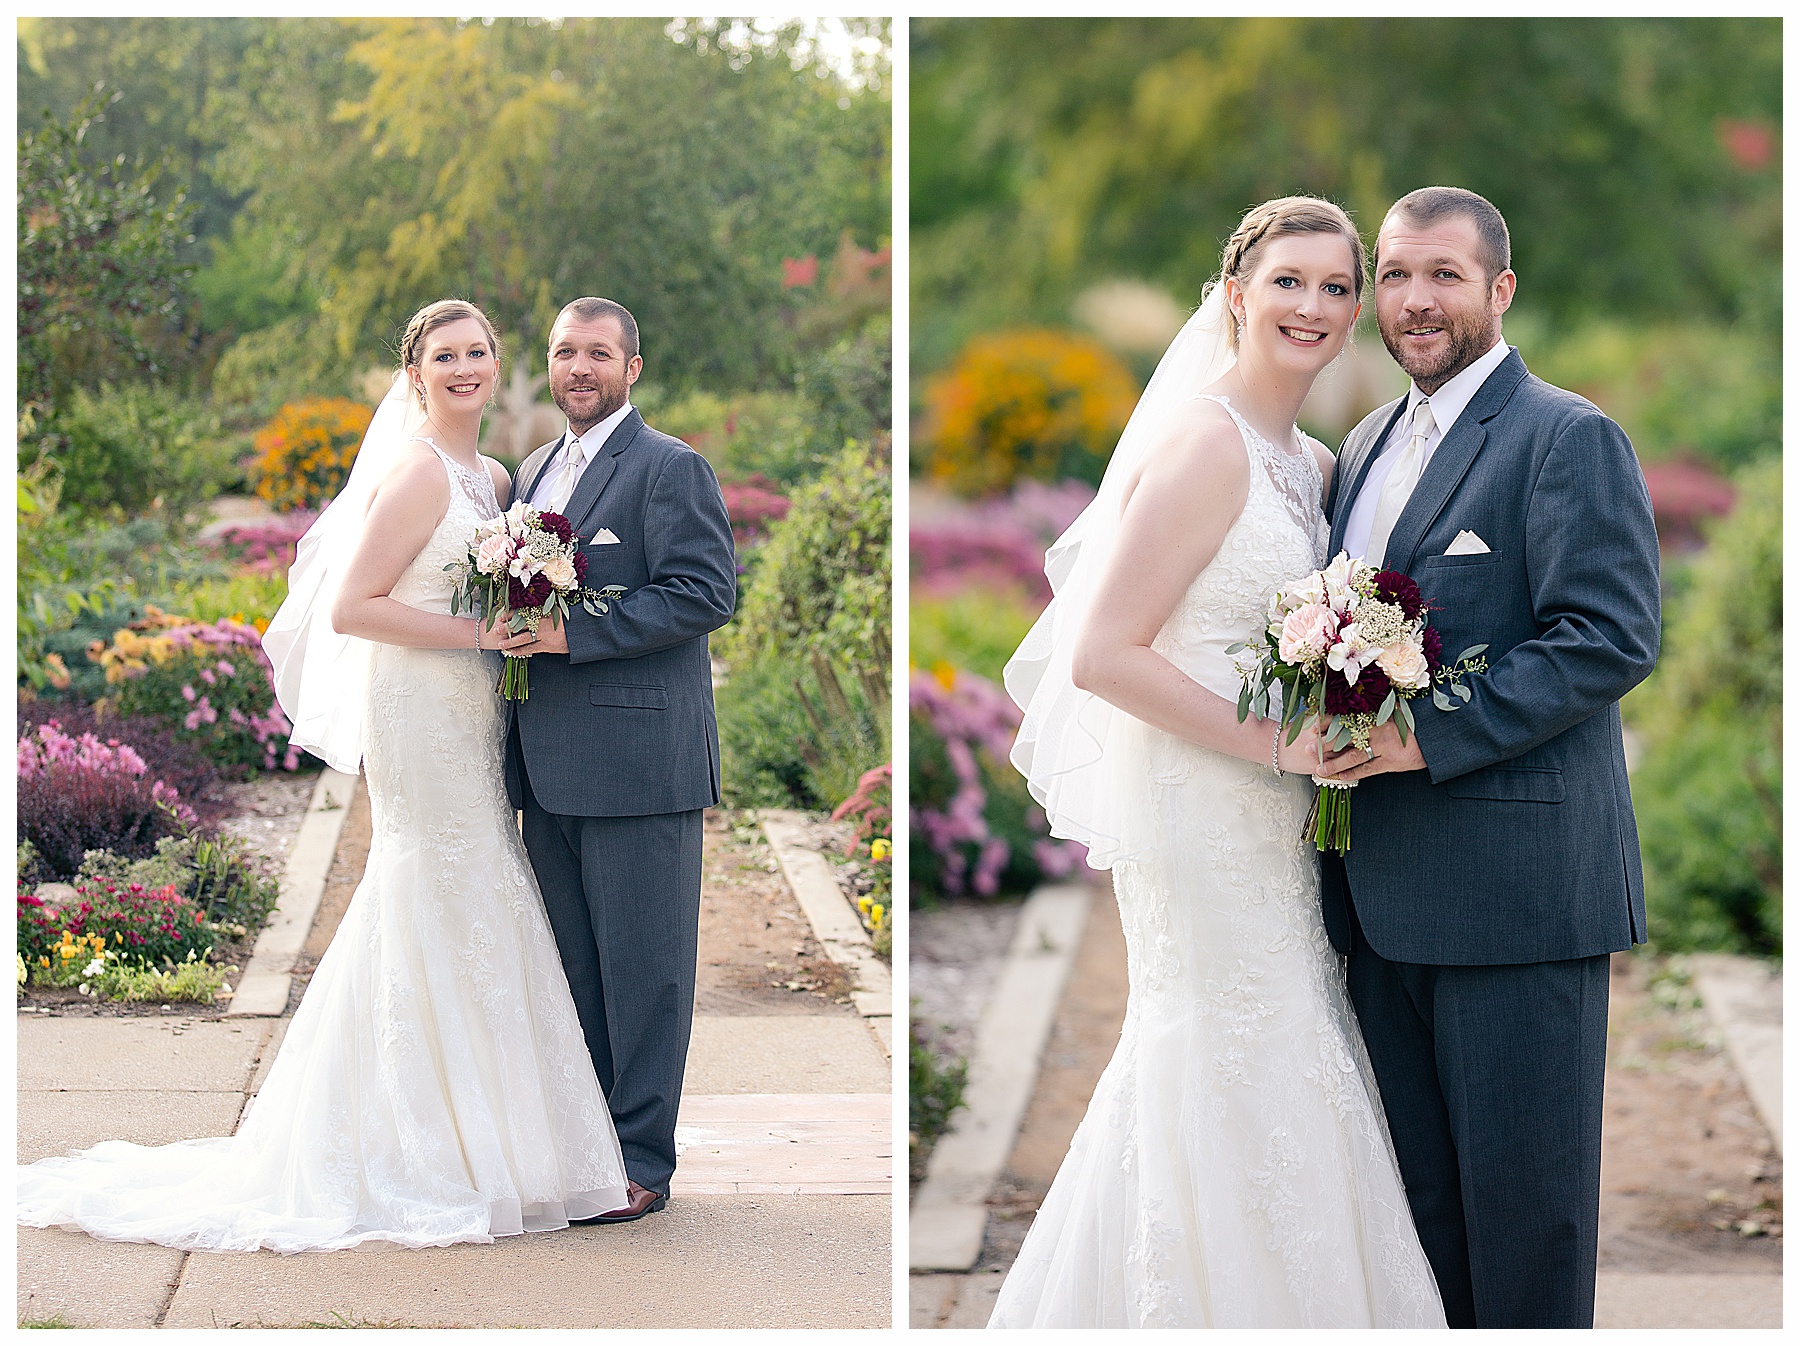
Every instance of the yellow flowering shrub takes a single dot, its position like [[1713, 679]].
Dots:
[[305, 452], [1031, 403]]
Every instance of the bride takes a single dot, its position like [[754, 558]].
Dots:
[[1234, 1167], [434, 1086]]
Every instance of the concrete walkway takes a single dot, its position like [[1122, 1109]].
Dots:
[[780, 1214], [958, 1261]]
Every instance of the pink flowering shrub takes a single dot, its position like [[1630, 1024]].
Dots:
[[753, 505], [210, 682], [996, 544], [82, 794], [267, 547], [975, 827]]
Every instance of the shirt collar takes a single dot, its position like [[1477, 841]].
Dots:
[[1449, 401], [595, 438]]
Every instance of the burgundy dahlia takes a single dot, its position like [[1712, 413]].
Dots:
[[533, 595], [1433, 645], [1393, 586], [580, 568], [557, 524], [1370, 691]]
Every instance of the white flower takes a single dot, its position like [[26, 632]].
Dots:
[[1404, 663], [95, 968], [1352, 653], [560, 571]]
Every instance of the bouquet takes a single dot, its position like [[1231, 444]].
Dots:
[[1348, 646], [525, 563]]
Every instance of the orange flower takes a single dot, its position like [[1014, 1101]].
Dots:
[[1033, 403], [305, 452]]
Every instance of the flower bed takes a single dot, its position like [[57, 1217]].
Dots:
[[976, 828], [210, 681]]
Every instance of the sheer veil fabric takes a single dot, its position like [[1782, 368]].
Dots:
[[321, 677], [1085, 761]]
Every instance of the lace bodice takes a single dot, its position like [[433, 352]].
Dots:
[[1279, 536], [425, 584]]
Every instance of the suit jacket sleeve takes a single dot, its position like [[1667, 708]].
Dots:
[[1591, 570], [693, 571]]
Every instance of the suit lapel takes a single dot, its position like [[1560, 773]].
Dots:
[[600, 471], [1352, 468], [528, 479], [1451, 462]]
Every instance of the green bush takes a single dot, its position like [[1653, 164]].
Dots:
[[823, 584], [976, 629], [1708, 788], [934, 1091], [852, 383], [219, 874], [789, 740], [136, 447], [1698, 388], [777, 434]]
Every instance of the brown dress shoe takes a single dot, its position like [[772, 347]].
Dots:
[[639, 1202]]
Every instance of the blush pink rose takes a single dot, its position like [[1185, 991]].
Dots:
[[494, 554], [1404, 663], [1307, 633]]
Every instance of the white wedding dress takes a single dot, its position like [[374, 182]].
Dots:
[[1234, 1167], [434, 1086]]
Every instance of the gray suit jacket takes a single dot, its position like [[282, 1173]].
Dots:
[[1517, 844], [622, 725]]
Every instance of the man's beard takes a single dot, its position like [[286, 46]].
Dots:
[[611, 399], [1470, 339]]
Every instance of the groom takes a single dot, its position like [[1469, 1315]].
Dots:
[[615, 755], [1496, 860]]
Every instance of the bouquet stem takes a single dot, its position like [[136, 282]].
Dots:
[[515, 677], [1328, 821]]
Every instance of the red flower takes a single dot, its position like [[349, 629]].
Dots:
[[1370, 691], [533, 595], [1433, 645], [556, 524], [580, 568], [1392, 586]]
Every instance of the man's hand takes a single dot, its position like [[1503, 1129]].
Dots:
[[1386, 753], [550, 639]]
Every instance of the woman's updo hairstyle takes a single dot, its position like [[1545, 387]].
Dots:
[[433, 316], [1285, 215]]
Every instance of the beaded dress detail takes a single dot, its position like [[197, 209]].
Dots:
[[434, 1086], [1233, 1168]]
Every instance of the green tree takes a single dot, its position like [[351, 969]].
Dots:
[[1636, 160], [99, 277], [1708, 791]]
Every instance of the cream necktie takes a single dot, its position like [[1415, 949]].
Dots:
[[565, 484], [1398, 488]]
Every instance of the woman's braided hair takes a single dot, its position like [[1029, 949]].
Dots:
[[1285, 215], [441, 314]]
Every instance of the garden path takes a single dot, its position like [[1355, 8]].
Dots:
[[782, 1208], [1686, 1160]]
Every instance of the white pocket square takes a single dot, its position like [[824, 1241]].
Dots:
[[1467, 544], [605, 535]]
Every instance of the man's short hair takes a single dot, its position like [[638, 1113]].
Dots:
[[1428, 205], [590, 309]]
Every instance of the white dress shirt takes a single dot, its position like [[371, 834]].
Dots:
[[591, 443], [1447, 404]]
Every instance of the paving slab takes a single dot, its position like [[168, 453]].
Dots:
[[737, 1144], [1742, 997], [953, 1301], [1652, 1299], [120, 1285], [771, 1262], [766, 1054], [52, 1123], [182, 1055]]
